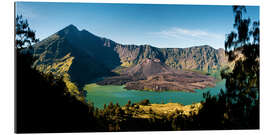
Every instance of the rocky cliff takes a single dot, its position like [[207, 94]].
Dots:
[[204, 58], [82, 57]]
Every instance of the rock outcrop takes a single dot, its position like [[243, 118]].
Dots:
[[83, 57]]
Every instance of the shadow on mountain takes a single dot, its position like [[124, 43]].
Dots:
[[43, 105], [94, 57]]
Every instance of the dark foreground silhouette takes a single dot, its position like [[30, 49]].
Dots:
[[44, 105]]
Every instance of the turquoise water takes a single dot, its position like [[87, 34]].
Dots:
[[101, 95]]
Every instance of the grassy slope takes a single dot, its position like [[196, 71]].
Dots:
[[163, 110]]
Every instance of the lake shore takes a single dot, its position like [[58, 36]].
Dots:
[[100, 95]]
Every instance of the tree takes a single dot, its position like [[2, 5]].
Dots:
[[43, 103], [144, 102], [238, 106], [25, 36], [243, 82]]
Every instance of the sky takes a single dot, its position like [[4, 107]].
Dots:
[[164, 26]]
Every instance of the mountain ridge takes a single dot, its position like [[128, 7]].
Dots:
[[83, 57]]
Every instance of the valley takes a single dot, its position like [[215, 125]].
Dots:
[[82, 57], [135, 67]]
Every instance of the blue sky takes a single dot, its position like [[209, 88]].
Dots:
[[165, 26]]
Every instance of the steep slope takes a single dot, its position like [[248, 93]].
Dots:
[[152, 74], [203, 58], [82, 57], [147, 67], [77, 55]]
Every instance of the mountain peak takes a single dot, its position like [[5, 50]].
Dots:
[[71, 26], [70, 29]]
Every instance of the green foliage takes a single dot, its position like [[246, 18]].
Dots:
[[243, 83], [44, 105], [24, 35], [238, 107]]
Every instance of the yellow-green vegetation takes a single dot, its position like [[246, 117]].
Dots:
[[213, 73], [239, 56], [72, 88], [119, 69], [197, 71], [126, 63], [90, 86], [146, 116], [163, 110], [60, 67]]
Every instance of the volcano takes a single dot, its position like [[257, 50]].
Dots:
[[152, 74], [82, 58]]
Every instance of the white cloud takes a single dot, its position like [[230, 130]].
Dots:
[[181, 37], [177, 32]]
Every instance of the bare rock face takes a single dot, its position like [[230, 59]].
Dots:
[[203, 58], [152, 74], [185, 81], [84, 50], [147, 67], [83, 57]]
